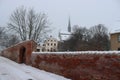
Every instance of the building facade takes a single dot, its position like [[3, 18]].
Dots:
[[49, 45], [115, 41]]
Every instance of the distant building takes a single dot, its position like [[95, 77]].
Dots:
[[49, 45], [52, 44], [39, 48], [65, 35], [115, 40], [69, 26]]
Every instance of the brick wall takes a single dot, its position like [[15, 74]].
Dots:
[[21, 52], [73, 65], [80, 66]]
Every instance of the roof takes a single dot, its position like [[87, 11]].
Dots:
[[64, 35], [115, 31], [50, 38]]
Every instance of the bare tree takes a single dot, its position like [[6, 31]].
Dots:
[[99, 29], [83, 39], [99, 37], [11, 40], [6, 39], [80, 38], [2, 33], [29, 25], [77, 41]]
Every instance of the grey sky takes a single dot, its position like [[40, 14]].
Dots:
[[82, 12]]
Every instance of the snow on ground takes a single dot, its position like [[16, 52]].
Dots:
[[80, 52], [10, 70]]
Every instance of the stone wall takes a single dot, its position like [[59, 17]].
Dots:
[[79, 66], [21, 52]]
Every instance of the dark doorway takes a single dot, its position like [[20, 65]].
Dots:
[[118, 49], [22, 55]]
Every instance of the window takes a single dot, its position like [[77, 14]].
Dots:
[[54, 50], [48, 50], [38, 50], [43, 44], [51, 44], [48, 44], [119, 38], [54, 44], [51, 49], [118, 49], [42, 49]]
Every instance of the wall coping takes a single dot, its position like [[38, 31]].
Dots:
[[80, 52]]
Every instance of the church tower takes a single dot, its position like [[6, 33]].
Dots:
[[69, 25]]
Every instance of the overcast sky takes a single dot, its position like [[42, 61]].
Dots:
[[82, 12]]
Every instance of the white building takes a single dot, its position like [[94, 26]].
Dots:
[[65, 35], [49, 45]]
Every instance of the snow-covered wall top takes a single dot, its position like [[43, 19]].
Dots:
[[81, 52], [83, 65]]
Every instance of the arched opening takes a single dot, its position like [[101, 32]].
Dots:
[[22, 55], [118, 49]]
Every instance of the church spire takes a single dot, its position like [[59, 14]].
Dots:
[[69, 25]]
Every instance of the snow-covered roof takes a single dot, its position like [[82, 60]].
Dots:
[[115, 31], [64, 35], [64, 32], [51, 38]]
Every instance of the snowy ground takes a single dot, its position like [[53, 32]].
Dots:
[[10, 70]]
